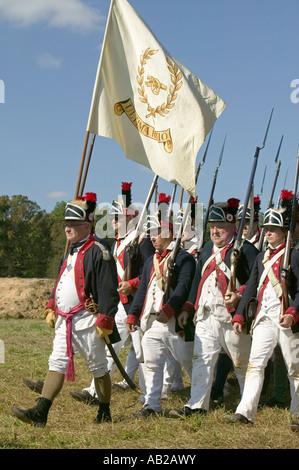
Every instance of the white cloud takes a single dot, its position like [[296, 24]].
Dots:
[[56, 195], [72, 14], [48, 61]]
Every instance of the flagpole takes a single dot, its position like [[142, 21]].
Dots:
[[82, 164], [96, 85], [87, 165], [80, 185]]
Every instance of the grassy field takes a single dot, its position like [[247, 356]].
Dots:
[[28, 343]]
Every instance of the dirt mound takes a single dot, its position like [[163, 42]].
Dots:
[[24, 298]]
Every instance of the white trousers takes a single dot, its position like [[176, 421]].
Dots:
[[211, 336], [160, 344], [126, 338], [84, 340], [266, 335]]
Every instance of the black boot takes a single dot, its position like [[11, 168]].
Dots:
[[37, 415], [103, 415]]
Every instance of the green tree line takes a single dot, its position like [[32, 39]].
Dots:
[[32, 241]]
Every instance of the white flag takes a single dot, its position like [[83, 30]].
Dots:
[[154, 107]]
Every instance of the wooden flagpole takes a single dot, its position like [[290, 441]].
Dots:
[[87, 165], [82, 164]]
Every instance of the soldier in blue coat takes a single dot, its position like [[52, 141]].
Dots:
[[211, 312], [82, 308], [130, 251], [270, 326], [162, 339]]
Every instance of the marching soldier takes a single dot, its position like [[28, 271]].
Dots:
[[128, 270], [82, 308], [251, 232], [158, 323], [270, 327], [212, 313], [124, 215], [254, 235]]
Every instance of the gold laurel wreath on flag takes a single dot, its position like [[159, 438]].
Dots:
[[175, 76]]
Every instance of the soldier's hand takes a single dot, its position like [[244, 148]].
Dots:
[[131, 328], [232, 299], [50, 317], [102, 332], [162, 317], [286, 321], [182, 319], [237, 328], [125, 288]]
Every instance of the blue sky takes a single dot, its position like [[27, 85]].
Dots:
[[246, 51]]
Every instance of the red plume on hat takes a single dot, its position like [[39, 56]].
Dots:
[[286, 196], [256, 207], [82, 208], [91, 197], [231, 209], [233, 203], [164, 198], [193, 202], [286, 203], [163, 217], [90, 202], [126, 193]]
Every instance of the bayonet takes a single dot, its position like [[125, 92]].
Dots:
[[262, 185], [171, 261], [270, 203], [205, 223], [236, 251], [286, 268]]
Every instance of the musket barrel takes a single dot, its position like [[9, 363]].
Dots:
[[237, 244], [285, 271]]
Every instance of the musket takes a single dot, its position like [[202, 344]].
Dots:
[[205, 222], [284, 185], [172, 201], [172, 259], [270, 203], [200, 164], [286, 269], [251, 204], [131, 249], [262, 185], [236, 251]]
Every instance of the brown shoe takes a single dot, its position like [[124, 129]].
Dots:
[[295, 426], [236, 419], [85, 397], [146, 413], [34, 386], [186, 412]]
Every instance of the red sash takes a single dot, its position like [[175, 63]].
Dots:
[[221, 278]]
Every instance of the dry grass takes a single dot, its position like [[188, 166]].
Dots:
[[28, 343]]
